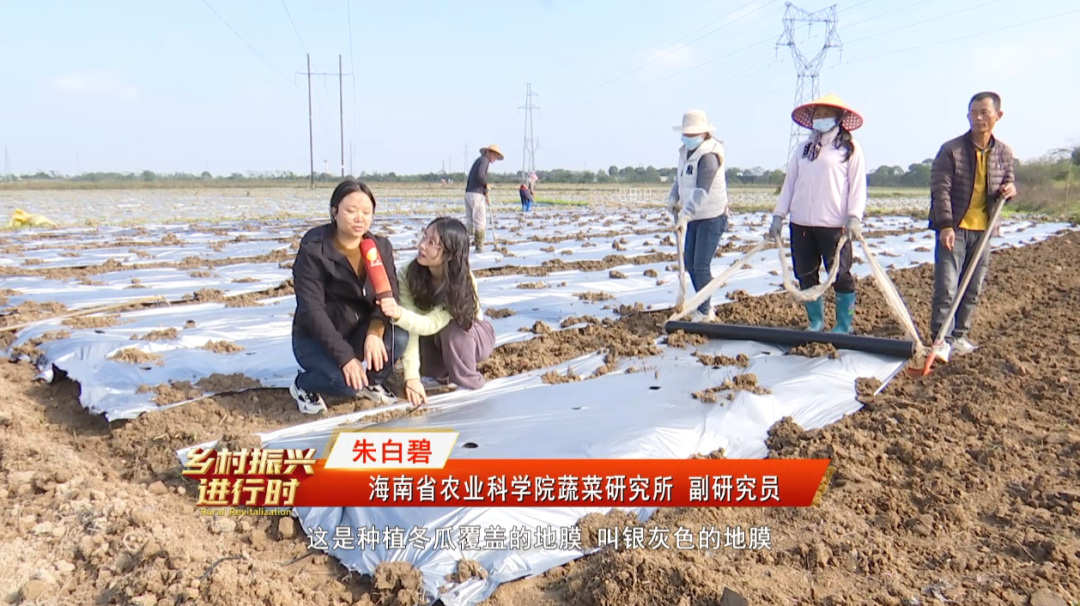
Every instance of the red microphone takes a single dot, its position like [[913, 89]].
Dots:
[[375, 270]]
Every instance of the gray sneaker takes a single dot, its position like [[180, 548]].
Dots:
[[963, 347], [379, 394], [307, 402]]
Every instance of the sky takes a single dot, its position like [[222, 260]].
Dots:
[[220, 85]]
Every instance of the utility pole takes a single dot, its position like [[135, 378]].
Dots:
[[311, 132], [341, 100], [529, 145], [807, 70], [7, 165], [341, 103], [465, 161], [351, 171]]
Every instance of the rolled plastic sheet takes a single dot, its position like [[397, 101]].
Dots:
[[895, 348]]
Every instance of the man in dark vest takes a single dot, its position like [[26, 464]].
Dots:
[[971, 174]]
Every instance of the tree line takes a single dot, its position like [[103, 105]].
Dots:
[[1045, 174]]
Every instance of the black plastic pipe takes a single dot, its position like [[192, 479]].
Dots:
[[895, 348]]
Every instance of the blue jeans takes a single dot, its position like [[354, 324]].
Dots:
[[702, 239], [323, 376], [526, 204]]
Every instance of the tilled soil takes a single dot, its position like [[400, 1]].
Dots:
[[959, 486]]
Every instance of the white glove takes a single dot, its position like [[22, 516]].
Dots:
[[680, 223], [774, 229], [853, 228]]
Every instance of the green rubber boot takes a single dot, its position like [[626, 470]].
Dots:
[[845, 312], [815, 312], [478, 240]]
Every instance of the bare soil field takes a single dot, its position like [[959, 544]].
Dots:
[[961, 487]]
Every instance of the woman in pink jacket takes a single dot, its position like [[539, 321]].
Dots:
[[824, 193]]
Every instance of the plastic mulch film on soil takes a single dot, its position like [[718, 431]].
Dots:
[[650, 413], [115, 363]]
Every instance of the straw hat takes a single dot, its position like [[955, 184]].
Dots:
[[804, 114], [493, 149], [694, 122]]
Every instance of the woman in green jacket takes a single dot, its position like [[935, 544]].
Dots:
[[440, 309]]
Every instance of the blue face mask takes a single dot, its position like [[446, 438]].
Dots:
[[692, 143], [824, 125]]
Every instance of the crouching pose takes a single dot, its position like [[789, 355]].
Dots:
[[825, 193], [337, 323], [440, 309]]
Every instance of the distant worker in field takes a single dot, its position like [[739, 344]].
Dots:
[[440, 308], [526, 193], [824, 191], [698, 200], [476, 191], [340, 336], [971, 174]]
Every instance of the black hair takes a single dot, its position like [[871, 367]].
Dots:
[[455, 292], [996, 98], [346, 187]]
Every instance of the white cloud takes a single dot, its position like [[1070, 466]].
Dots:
[[96, 84]]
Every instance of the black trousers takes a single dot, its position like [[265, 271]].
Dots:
[[812, 245]]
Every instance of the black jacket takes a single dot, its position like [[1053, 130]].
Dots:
[[331, 302]]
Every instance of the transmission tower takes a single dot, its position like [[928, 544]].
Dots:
[[807, 70], [530, 144]]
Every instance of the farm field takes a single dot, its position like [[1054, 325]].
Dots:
[[959, 487]]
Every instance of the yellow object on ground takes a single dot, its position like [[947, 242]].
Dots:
[[21, 218]]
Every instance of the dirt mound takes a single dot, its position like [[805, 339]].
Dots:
[[591, 524], [496, 314], [220, 383], [167, 334], [222, 347], [132, 355], [685, 339], [398, 584], [171, 392], [814, 350], [90, 322], [616, 275], [467, 569], [741, 360], [594, 296]]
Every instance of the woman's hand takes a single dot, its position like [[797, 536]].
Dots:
[[415, 390], [354, 374], [374, 352], [391, 308]]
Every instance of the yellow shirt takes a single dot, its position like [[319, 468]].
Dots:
[[976, 217]]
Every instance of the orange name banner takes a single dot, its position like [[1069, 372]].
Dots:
[[536, 483]]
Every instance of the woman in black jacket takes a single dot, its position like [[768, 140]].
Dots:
[[337, 322]]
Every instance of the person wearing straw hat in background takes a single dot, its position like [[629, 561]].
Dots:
[[698, 200], [476, 190], [824, 192], [526, 192]]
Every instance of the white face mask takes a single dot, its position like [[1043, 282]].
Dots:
[[824, 125]]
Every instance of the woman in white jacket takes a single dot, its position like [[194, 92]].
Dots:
[[825, 193], [698, 199]]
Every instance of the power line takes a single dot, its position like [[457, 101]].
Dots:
[[854, 6], [245, 41], [706, 26], [703, 64], [964, 10], [992, 31], [683, 46], [293, 25]]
